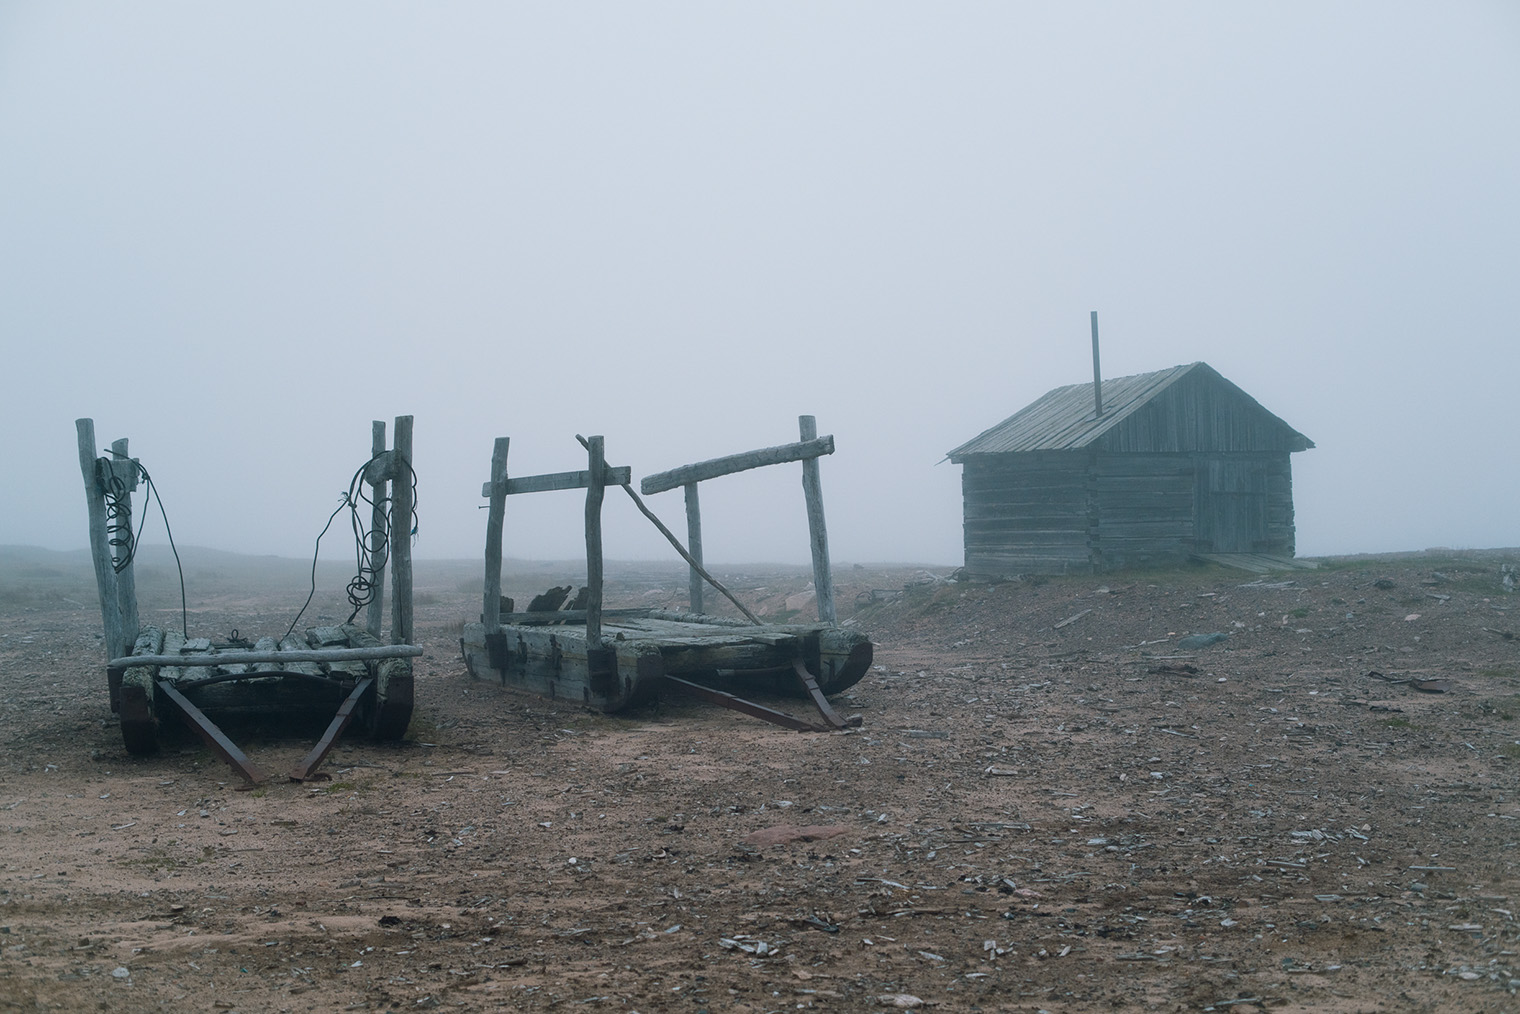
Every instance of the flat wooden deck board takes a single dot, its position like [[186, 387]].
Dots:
[[676, 632]]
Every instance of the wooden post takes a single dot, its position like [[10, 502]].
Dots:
[[126, 583], [377, 552], [401, 533], [100, 551], [812, 489], [490, 613], [595, 489], [694, 544]]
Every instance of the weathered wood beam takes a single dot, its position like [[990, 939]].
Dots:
[[818, 536], [117, 643], [694, 545], [496, 515], [809, 449], [202, 660], [595, 492], [401, 534], [375, 616], [560, 480]]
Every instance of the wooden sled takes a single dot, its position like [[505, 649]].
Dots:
[[612, 659], [344, 671]]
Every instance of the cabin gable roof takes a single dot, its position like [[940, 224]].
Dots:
[[1180, 409]]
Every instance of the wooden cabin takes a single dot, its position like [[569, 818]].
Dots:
[[1149, 469]]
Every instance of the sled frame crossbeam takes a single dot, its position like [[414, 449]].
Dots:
[[594, 479], [807, 450]]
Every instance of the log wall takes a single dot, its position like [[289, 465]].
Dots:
[[1145, 507], [1085, 511], [1026, 513]]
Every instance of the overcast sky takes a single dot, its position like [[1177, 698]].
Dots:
[[236, 233]]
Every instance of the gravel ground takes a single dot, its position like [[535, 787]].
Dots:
[[1055, 803]]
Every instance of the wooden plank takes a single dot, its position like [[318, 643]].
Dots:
[[375, 616], [595, 491], [116, 642], [818, 536], [266, 644], [569, 616], [350, 636], [553, 481], [688, 632], [401, 534], [1042, 519], [496, 515], [694, 546], [809, 449], [292, 643], [1008, 563]]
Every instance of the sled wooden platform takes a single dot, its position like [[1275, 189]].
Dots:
[[612, 659], [641, 647], [295, 677], [342, 672]]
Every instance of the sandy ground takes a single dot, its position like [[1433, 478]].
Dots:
[[1053, 805]]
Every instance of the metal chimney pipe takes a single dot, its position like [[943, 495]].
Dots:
[[1097, 373]]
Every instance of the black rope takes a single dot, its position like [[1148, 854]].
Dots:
[[315, 553], [119, 534], [371, 544]]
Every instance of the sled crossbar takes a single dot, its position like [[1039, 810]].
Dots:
[[203, 659]]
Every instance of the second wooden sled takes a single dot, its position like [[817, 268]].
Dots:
[[612, 659]]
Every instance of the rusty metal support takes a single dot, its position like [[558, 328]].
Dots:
[[214, 737], [725, 700], [313, 760], [810, 684]]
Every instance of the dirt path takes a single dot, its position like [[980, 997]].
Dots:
[[1036, 815]]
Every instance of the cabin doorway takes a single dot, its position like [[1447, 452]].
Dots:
[[1231, 506]]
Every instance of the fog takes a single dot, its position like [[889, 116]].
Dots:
[[237, 233]]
